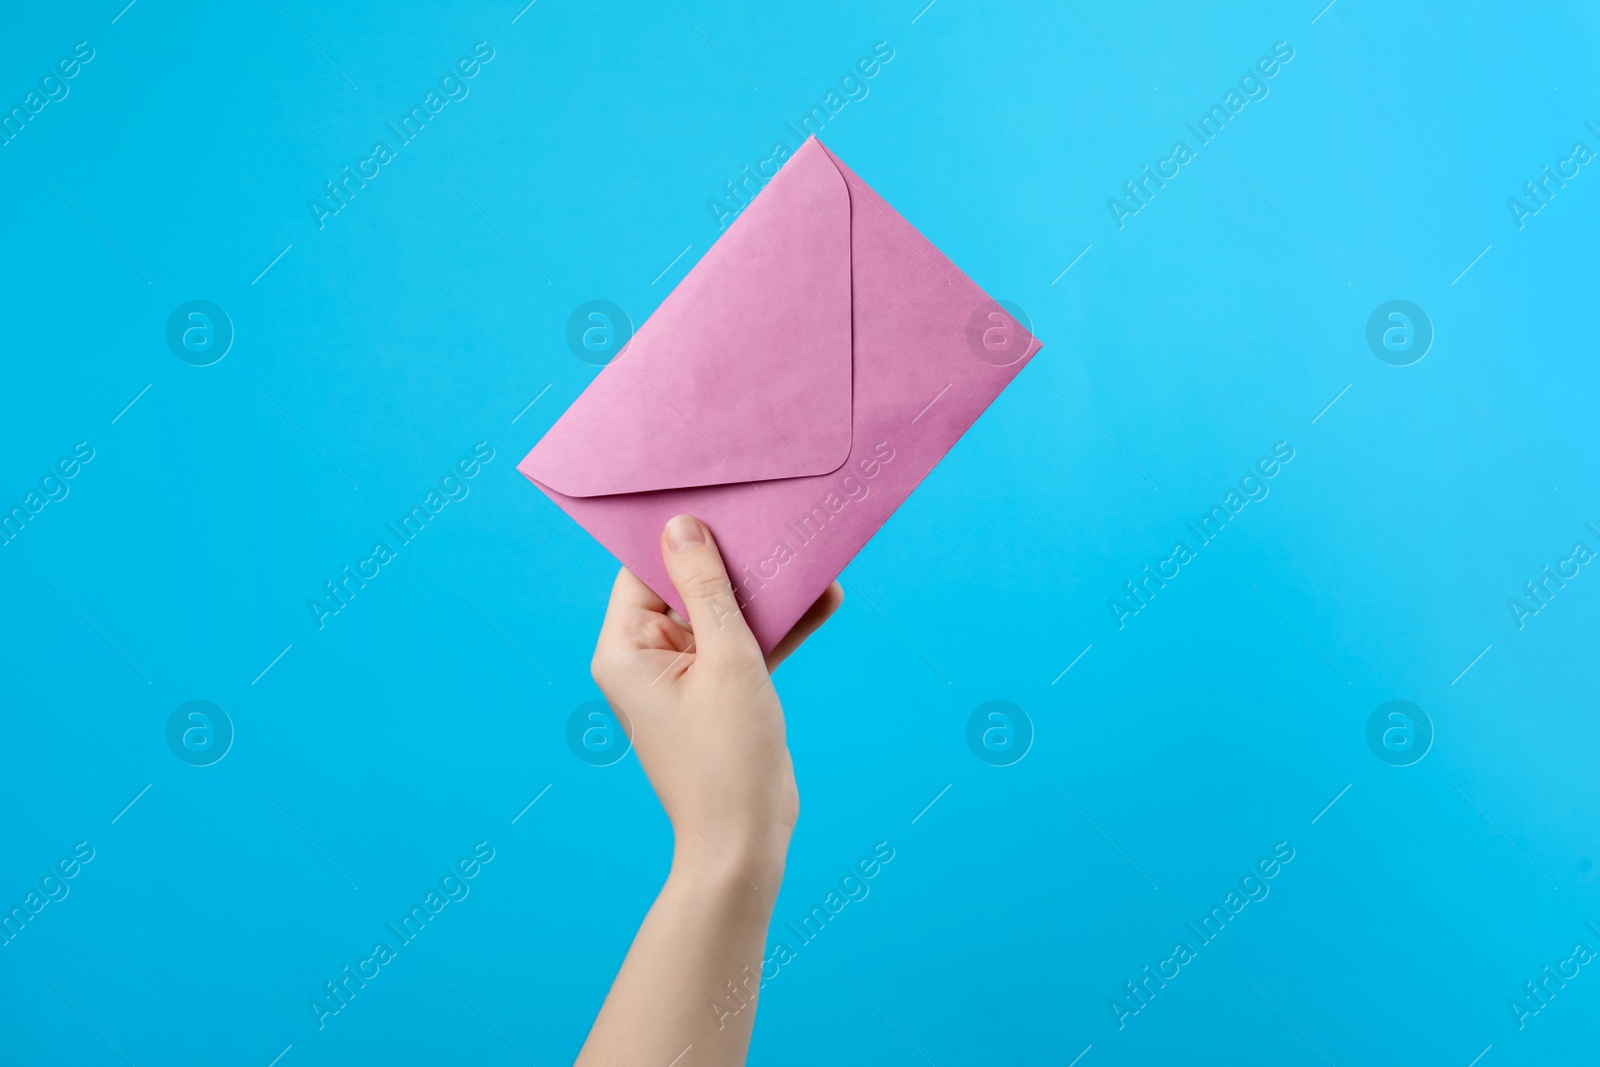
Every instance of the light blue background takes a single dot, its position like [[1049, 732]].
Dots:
[[1221, 720]]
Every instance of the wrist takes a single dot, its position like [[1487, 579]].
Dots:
[[749, 865]]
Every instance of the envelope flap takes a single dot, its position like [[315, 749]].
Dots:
[[743, 373]]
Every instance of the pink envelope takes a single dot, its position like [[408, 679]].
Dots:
[[791, 392]]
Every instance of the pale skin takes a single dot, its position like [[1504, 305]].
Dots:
[[697, 700]]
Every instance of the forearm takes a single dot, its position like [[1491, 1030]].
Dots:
[[688, 986]]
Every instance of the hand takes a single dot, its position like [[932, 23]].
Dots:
[[697, 700], [696, 697]]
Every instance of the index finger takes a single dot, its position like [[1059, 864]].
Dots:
[[628, 593]]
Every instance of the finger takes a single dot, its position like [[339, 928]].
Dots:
[[638, 618], [809, 623], [697, 572], [628, 592]]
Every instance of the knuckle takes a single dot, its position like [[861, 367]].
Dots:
[[705, 585], [715, 594], [657, 631], [600, 667]]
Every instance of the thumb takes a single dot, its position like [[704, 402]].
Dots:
[[697, 571]]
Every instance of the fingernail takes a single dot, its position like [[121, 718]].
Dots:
[[683, 531]]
